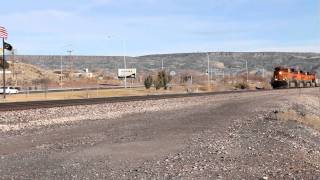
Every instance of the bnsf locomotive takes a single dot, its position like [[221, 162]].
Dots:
[[293, 78]]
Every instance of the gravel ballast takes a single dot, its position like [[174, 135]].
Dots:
[[235, 136]]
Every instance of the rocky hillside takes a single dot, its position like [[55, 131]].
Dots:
[[24, 74], [183, 61]]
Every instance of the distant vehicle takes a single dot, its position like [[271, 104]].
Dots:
[[293, 78], [9, 90]]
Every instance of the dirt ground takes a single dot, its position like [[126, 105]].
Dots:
[[237, 136]]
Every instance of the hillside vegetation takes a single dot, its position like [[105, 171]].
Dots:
[[180, 62]]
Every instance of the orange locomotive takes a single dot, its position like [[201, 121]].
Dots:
[[292, 78]]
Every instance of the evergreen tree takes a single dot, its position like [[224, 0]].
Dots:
[[148, 82], [162, 80]]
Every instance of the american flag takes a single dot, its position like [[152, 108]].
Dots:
[[3, 33]]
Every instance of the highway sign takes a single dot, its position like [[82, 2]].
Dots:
[[127, 73]]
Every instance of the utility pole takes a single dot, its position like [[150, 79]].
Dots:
[[61, 71], [247, 71], [125, 63], [71, 63], [208, 56], [14, 74], [63, 57]]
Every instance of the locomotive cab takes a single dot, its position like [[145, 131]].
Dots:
[[280, 77], [292, 78]]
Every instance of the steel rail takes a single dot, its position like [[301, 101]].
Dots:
[[16, 106]]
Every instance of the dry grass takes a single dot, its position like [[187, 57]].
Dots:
[[109, 93], [309, 120], [89, 94], [208, 88]]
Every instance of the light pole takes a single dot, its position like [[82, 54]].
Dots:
[[124, 46], [162, 64]]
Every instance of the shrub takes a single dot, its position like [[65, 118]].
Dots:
[[242, 85], [148, 82], [157, 84], [162, 80]]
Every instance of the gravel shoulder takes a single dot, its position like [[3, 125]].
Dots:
[[247, 135]]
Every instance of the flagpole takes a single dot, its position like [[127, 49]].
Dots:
[[3, 71]]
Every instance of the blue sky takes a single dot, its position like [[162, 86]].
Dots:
[[99, 27]]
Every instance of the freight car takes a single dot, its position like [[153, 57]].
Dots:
[[293, 78]]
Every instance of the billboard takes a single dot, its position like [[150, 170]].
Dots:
[[128, 73]]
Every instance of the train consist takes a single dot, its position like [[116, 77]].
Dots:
[[293, 78]]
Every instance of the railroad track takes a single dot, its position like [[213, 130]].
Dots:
[[16, 106]]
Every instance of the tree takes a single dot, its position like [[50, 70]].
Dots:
[[35, 82], [148, 82], [157, 84], [45, 84], [162, 80]]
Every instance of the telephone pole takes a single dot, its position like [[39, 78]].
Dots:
[[61, 72], [247, 71], [14, 74], [71, 63], [208, 56], [125, 62]]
